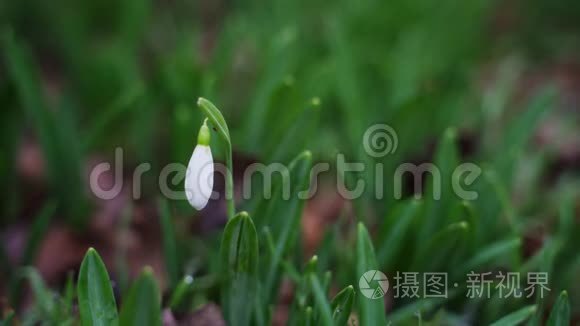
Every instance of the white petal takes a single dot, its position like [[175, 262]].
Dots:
[[199, 177]]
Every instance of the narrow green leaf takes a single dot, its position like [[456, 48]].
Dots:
[[371, 311], [44, 297], [68, 296], [543, 259], [295, 137], [278, 64], [170, 249], [487, 254], [521, 130], [499, 188], [351, 94], [439, 193], [308, 317], [341, 305], [393, 231], [125, 102], [560, 315], [326, 279], [142, 306], [239, 266], [517, 317], [282, 215], [474, 221], [303, 290], [566, 217], [97, 304], [54, 129], [441, 247], [290, 271], [282, 107], [181, 293], [322, 306], [22, 70], [269, 241]]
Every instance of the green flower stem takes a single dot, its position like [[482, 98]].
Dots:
[[230, 183]]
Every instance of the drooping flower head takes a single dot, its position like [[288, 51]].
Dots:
[[199, 175]]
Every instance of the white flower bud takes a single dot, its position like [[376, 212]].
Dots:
[[199, 175]]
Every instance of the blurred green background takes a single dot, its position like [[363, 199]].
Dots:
[[491, 82]]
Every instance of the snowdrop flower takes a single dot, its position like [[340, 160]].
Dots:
[[199, 175]]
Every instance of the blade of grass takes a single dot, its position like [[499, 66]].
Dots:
[[170, 249], [371, 312], [181, 293], [502, 194], [283, 216], [440, 248], [516, 317], [394, 230], [296, 136], [322, 306], [303, 291], [44, 297], [96, 300], [54, 132], [142, 306], [68, 296], [307, 317], [278, 64], [439, 193], [521, 130], [489, 253], [341, 305], [560, 315], [123, 104], [351, 95]]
